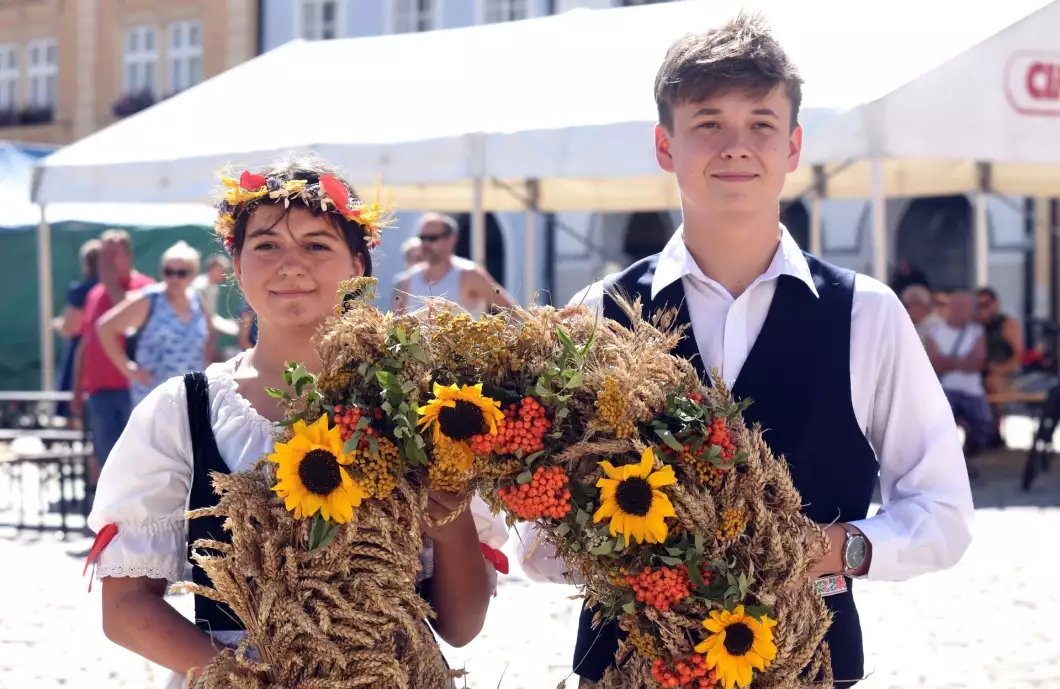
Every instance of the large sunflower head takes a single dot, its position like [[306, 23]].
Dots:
[[459, 412], [311, 476], [737, 644], [631, 499]]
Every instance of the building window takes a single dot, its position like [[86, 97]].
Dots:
[[185, 55], [141, 60], [504, 11], [319, 19], [414, 15], [8, 77], [42, 70]]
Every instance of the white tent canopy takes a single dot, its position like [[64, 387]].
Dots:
[[564, 100], [996, 103], [18, 210]]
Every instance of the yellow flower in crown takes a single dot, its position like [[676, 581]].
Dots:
[[631, 500], [312, 475]]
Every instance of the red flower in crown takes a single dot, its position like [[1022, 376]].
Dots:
[[339, 195], [251, 182]]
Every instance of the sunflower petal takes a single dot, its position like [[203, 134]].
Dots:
[[662, 477], [743, 676], [607, 510], [647, 463], [765, 648], [610, 470], [661, 506]]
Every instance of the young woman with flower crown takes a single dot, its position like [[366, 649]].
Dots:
[[294, 231]]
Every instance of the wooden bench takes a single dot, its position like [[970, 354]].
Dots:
[[1016, 397]]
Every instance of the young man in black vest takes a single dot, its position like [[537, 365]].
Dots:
[[834, 367]]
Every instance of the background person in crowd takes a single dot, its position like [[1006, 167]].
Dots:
[[917, 302], [98, 384], [208, 286], [1004, 352], [172, 322], [957, 349], [69, 324], [443, 274]]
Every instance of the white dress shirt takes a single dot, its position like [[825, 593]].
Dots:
[[925, 521]]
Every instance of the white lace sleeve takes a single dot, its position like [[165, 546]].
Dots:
[[143, 490]]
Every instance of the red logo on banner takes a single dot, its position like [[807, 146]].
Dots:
[[1032, 83]]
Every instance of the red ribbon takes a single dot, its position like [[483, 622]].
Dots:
[[103, 539], [495, 557]]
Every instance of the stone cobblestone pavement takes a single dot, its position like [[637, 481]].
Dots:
[[989, 622]]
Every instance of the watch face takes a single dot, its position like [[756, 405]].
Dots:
[[854, 554]]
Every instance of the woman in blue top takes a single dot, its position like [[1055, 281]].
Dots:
[[172, 324]]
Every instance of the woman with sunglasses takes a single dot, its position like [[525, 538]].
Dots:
[[172, 325]]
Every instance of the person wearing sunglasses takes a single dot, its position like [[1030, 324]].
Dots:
[[441, 273], [172, 325]]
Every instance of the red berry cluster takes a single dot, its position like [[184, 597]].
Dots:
[[546, 495], [661, 587], [523, 428], [722, 437], [347, 418], [687, 673]]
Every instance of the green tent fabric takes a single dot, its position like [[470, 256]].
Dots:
[[20, 367]]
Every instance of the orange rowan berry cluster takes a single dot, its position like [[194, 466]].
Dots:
[[661, 587], [687, 673], [546, 495], [347, 418], [722, 437], [523, 428]]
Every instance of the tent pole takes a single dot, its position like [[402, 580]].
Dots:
[[816, 220], [980, 228], [879, 220], [533, 191], [478, 222], [44, 291], [1042, 265]]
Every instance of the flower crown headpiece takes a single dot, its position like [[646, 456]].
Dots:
[[330, 193]]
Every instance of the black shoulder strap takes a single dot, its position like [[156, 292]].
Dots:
[[206, 456]]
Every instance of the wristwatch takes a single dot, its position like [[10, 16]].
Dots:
[[855, 550]]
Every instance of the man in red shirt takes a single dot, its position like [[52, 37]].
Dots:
[[105, 389]]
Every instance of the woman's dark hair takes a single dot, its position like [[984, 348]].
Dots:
[[310, 169]]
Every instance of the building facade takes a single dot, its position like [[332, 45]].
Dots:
[[71, 67], [935, 234]]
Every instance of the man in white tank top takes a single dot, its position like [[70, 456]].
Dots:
[[441, 274], [957, 349]]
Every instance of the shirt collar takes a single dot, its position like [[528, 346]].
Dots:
[[675, 262]]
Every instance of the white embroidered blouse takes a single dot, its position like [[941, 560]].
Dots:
[[145, 484]]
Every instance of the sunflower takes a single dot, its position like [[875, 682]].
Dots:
[[631, 499], [459, 412], [737, 643], [311, 474]]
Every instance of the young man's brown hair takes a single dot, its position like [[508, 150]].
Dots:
[[740, 56]]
